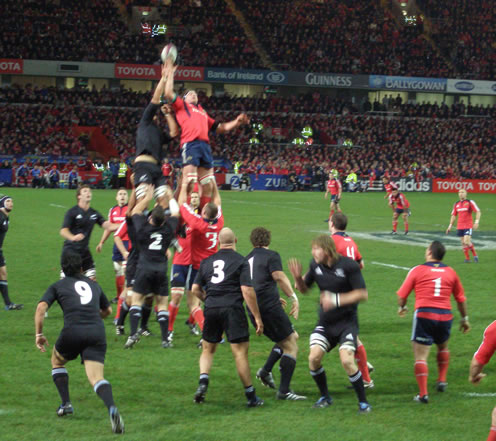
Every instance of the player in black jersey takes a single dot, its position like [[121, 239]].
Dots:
[[153, 237], [222, 282], [266, 273], [341, 288], [84, 305], [6, 205], [77, 227], [149, 141]]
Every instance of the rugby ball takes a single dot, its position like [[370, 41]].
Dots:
[[169, 51]]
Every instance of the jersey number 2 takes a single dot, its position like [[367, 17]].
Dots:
[[84, 291], [157, 242]]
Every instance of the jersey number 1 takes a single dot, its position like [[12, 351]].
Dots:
[[437, 287]]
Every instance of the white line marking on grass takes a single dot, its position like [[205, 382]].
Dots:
[[390, 265], [477, 394], [5, 411], [58, 206]]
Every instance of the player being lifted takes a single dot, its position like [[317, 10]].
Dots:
[[464, 209], [335, 188], [346, 246], [149, 151], [433, 283], [195, 123], [402, 205]]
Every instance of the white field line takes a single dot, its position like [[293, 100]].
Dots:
[[390, 265], [58, 206], [477, 394]]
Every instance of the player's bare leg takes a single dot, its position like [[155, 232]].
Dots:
[[467, 247], [205, 177], [94, 372], [492, 431], [189, 176], [177, 293], [421, 353], [240, 353]]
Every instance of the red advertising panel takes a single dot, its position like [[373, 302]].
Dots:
[[471, 185], [153, 72], [9, 66]]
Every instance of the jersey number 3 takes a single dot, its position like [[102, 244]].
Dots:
[[84, 291], [218, 275]]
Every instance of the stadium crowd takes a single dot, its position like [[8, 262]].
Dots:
[[332, 36], [423, 139]]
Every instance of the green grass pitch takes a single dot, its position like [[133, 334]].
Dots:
[[154, 388]]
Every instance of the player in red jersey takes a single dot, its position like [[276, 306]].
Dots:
[[346, 246], [464, 209], [433, 282], [400, 203], [195, 123], [167, 171], [205, 227], [183, 275], [481, 358], [335, 188], [389, 186], [117, 215]]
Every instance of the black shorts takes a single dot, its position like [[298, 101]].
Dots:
[[399, 210], [426, 331], [183, 276], [89, 341], [277, 325], [148, 173], [86, 257], [328, 336], [2, 259], [151, 282], [131, 272], [231, 320]]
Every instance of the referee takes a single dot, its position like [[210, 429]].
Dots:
[[341, 287]]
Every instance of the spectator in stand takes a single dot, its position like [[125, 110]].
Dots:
[[54, 177], [73, 178]]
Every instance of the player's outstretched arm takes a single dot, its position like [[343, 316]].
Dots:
[[234, 124], [251, 301], [168, 74], [215, 193], [166, 110], [142, 205], [39, 317], [285, 285]]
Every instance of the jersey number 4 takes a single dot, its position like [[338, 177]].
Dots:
[[84, 291]]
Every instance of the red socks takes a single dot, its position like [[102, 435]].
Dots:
[[472, 248], [395, 225], [173, 310], [361, 359], [198, 316], [421, 374], [466, 252], [443, 358]]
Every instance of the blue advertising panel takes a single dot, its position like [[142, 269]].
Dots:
[[414, 84], [6, 176], [269, 182], [247, 76]]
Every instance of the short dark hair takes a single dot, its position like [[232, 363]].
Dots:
[[438, 250], [158, 215], [340, 221], [80, 188], [211, 211], [260, 237], [72, 263]]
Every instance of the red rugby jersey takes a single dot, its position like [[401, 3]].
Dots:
[[346, 246], [204, 234], [400, 200], [122, 233], [117, 215], [194, 121], [390, 187], [334, 186], [464, 210], [433, 282], [488, 345]]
